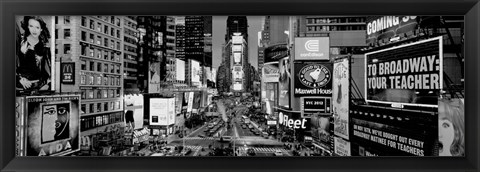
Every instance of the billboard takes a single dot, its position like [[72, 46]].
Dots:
[[52, 125], [180, 70], [451, 127], [162, 111], [178, 103], [35, 53], [386, 27], [321, 132], [341, 97], [342, 147], [196, 72], [312, 48], [275, 52], [134, 103], [237, 57], [284, 82], [20, 126], [311, 105], [313, 79], [410, 74], [236, 48], [154, 77], [271, 72], [190, 101], [67, 73]]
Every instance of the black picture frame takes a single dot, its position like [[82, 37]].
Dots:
[[10, 8]]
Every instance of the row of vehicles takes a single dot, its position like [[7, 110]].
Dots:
[[246, 124]]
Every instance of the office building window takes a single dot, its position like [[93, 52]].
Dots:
[[105, 68], [84, 36], [105, 42], [99, 27], [99, 66], [66, 19], [83, 65], [66, 34], [91, 52], [82, 79], [92, 38], [92, 24], [92, 108], [99, 107], [99, 40], [105, 30], [66, 49], [105, 106], [92, 66], [83, 108]]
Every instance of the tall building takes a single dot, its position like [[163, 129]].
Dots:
[[94, 44], [236, 24], [130, 59], [180, 49], [170, 49], [197, 33], [151, 52]]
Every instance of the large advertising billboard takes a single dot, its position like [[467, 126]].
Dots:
[[380, 131], [134, 110], [312, 48], [190, 101], [312, 105], [196, 72], [342, 147], [154, 77], [313, 79], [35, 53], [321, 130], [52, 125], [180, 70], [271, 73], [410, 74], [162, 111], [284, 83], [386, 27], [237, 38], [341, 97]]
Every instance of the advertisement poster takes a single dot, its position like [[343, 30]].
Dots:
[[342, 147], [154, 78], [394, 132], [341, 97], [386, 27], [271, 72], [313, 79], [190, 101], [35, 54], [410, 74], [67, 73], [178, 102], [162, 111], [180, 70], [321, 133], [52, 125], [134, 104], [451, 127], [196, 72], [293, 121], [312, 48], [284, 83]]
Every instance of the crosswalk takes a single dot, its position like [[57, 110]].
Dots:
[[195, 149], [199, 138], [264, 149]]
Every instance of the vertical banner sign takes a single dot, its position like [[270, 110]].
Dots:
[[158, 111], [342, 147], [67, 75], [190, 101], [35, 64], [284, 82], [154, 78], [410, 74], [312, 48], [341, 97], [313, 79], [52, 125], [171, 111], [20, 126]]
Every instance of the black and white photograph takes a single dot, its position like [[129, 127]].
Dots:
[[250, 86]]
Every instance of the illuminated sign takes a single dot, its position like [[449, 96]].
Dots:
[[68, 73], [291, 123], [312, 48]]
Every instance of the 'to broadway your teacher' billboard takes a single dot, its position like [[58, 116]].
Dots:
[[410, 74]]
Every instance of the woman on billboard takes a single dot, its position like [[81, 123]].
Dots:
[[451, 128], [33, 67]]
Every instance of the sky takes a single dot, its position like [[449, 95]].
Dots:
[[219, 29]]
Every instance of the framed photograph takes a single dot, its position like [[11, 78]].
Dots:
[[298, 86]]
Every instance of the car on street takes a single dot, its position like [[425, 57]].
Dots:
[[186, 151], [226, 138], [201, 136], [251, 152], [257, 132], [278, 153], [244, 126], [265, 135]]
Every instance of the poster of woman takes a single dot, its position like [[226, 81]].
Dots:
[[284, 83], [451, 127], [34, 66]]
